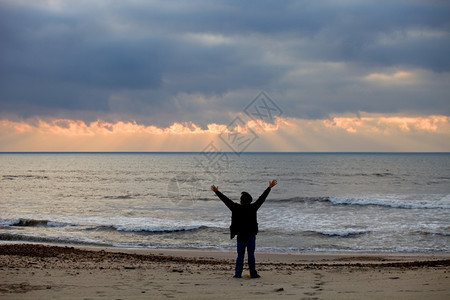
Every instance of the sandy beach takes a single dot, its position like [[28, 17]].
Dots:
[[35, 271]]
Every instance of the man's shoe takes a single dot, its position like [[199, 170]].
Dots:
[[255, 276]]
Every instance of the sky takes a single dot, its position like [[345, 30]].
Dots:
[[234, 76]]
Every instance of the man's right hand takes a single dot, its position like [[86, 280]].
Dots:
[[273, 183], [214, 188]]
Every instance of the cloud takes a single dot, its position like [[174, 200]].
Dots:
[[390, 124], [160, 62], [399, 77], [340, 133]]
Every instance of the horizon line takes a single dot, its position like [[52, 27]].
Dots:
[[227, 152]]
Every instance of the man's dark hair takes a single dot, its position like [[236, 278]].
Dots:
[[246, 198]]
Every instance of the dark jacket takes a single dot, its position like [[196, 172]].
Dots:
[[243, 217]]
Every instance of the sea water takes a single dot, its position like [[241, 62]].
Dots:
[[394, 202]]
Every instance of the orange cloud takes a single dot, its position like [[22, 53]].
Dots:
[[393, 76], [76, 135], [367, 132], [397, 78], [387, 124]]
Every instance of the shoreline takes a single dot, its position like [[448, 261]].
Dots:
[[265, 256], [32, 270]]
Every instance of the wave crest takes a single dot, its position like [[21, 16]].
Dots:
[[396, 201], [22, 222], [437, 201], [342, 234], [147, 229]]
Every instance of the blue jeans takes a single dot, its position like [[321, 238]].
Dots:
[[245, 241]]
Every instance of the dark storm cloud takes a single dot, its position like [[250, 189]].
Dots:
[[53, 60], [134, 59]]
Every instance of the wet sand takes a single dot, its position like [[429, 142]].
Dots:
[[35, 271]]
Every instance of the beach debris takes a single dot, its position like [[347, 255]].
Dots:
[[279, 289], [394, 277], [176, 270], [129, 268]]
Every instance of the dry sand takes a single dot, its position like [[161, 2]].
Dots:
[[34, 271]]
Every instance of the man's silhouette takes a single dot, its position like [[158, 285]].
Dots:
[[244, 224]]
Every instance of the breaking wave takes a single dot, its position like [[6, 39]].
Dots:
[[393, 201], [342, 234], [33, 223], [16, 237], [147, 229]]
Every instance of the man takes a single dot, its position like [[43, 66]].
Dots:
[[244, 224]]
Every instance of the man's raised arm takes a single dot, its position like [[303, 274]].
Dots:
[[230, 204], [264, 195]]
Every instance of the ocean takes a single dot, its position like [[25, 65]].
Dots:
[[388, 202]]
